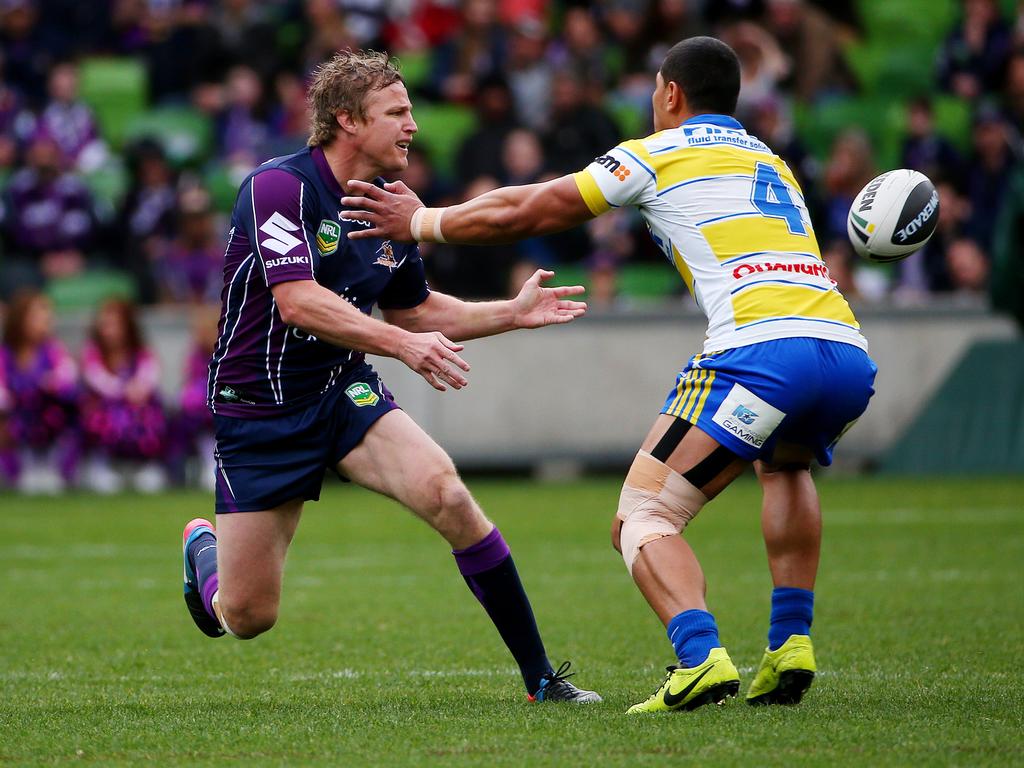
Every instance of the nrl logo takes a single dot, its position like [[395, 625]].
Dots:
[[387, 255], [327, 237], [361, 394]]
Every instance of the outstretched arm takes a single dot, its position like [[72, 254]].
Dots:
[[503, 215], [534, 307], [310, 306]]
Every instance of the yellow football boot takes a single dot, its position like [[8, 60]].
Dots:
[[708, 683], [785, 674]]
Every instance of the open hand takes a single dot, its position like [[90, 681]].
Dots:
[[389, 210], [433, 356], [537, 306]]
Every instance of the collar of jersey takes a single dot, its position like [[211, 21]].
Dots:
[[722, 121], [326, 175]]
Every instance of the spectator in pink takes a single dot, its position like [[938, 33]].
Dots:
[[38, 389], [122, 417]]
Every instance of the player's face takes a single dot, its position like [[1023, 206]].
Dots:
[[387, 131]]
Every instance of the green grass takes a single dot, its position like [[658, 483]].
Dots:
[[382, 657]]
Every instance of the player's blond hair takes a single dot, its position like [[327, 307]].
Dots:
[[341, 85]]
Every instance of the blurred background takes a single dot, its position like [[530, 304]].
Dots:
[[127, 125]]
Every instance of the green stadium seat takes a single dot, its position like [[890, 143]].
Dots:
[[415, 68], [649, 281], [881, 118], [185, 133], [901, 22], [109, 183], [222, 187], [90, 289], [638, 282], [116, 91], [633, 122], [953, 120], [442, 128]]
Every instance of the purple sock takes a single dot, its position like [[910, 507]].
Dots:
[[204, 558], [489, 571], [207, 590]]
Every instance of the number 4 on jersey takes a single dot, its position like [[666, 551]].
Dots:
[[771, 197]]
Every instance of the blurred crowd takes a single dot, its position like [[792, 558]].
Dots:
[[506, 92], [97, 419], [536, 87]]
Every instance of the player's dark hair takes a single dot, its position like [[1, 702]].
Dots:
[[708, 73]]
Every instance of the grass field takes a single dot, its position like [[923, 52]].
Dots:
[[382, 657]]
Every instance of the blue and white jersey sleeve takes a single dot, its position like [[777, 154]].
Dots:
[[274, 216]]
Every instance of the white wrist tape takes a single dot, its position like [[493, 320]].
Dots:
[[425, 225]]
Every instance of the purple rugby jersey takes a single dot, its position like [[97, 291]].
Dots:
[[286, 226]]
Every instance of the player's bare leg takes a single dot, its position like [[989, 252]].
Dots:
[[398, 459], [790, 518], [233, 575], [791, 523], [678, 469], [251, 550]]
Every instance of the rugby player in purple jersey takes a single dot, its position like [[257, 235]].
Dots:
[[291, 392]]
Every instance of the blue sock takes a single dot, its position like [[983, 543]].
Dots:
[[693, 634], [792, 614]]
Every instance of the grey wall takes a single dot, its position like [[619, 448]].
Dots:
[[589, 391]]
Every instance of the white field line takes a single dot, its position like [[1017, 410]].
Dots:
[[346, 673]]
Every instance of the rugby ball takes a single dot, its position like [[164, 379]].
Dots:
[[893, 215]]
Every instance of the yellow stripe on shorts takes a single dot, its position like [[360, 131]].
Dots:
[[695, 391], [706, 390], [683, 388]]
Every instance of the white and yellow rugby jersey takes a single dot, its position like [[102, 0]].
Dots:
[[730, 216]]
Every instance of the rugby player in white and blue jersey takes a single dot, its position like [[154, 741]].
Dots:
[[292, 393], [784, 370]]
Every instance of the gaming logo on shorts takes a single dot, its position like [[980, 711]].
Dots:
[[747, 416], [361, 394], [327, 237]]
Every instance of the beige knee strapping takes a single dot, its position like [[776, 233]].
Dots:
[[655, 502]]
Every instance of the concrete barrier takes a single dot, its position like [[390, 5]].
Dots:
[[587, 392]]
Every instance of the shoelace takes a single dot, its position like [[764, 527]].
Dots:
[[558, 677], [670, 669]]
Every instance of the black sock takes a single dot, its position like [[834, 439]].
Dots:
[[489, 571]]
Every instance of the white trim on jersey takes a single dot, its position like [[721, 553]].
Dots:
[[238, 319], [256, 231], [305, 234], [270, 331], [280, 360]]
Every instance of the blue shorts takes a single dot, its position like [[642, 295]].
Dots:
[[263, 463], [802, 390]]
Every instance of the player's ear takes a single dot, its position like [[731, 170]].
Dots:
[[346, 121], [675, 99]]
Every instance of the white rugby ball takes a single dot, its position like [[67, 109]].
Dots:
[[893, 215]]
